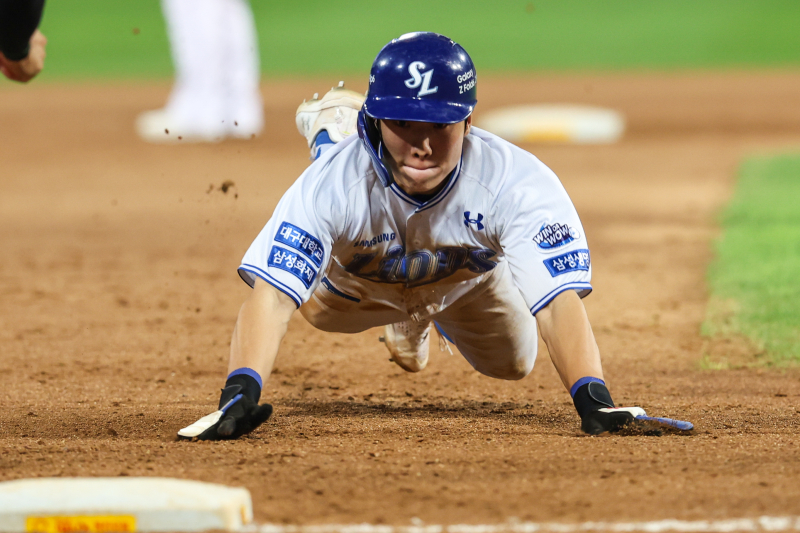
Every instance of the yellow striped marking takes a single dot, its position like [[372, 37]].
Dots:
[[80, 524]]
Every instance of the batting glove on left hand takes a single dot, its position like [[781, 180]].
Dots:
[[238, 415]]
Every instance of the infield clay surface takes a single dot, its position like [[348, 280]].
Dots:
[[119, 294]]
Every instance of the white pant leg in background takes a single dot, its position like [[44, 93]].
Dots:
[[242, 95], [197, 98], [215, 51]]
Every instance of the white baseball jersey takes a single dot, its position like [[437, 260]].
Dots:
[[338, 229]]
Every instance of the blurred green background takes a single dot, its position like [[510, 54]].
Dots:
[[753, 280], [127, 38]]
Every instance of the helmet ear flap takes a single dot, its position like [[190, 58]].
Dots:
[[373, 130], [370, 134], [376, 130]]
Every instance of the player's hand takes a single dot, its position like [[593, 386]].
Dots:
[[598, 413], [610, 419], [27, 68], [237, 416]]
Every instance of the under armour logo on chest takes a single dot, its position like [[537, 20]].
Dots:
[[421, 80], [477, 221]]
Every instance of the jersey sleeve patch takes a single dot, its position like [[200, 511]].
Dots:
[[302, 241], [568, 262], [293, 264], [555, 235]]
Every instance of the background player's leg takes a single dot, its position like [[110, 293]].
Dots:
[[194, 110], [494, 330], [197, 98], [244, 110]]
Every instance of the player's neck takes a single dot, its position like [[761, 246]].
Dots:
[[427, 193]]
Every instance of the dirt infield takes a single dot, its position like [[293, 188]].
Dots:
[[119, 295]]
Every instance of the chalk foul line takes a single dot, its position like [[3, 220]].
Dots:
[[764, 523]]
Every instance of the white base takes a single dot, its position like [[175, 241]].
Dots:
[[554, 123], [129, 503], [159, 126]]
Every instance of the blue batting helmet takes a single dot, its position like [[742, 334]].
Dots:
[[422, 77]]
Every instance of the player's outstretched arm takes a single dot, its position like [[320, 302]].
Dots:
[[262, 323], [566, 331]]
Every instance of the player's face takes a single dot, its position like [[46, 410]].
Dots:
[[422, 154]]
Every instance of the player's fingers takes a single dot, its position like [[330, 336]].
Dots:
[[611, 420], [619, 421], [261, 414], [227, 426], [9, 73], [203, 426]]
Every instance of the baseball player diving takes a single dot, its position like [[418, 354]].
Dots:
[[419, 221]]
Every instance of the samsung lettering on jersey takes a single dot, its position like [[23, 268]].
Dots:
[[383, 237], [418, 79]]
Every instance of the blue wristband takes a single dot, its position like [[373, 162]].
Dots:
[[583, 381], [247, 372]]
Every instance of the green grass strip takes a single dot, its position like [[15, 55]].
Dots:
[[755, 279], [127, 38]]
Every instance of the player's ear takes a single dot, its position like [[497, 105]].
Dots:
[[467, 124]]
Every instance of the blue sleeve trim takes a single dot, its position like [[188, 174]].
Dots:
[[246, 371], [328, 285], [272, 281], [583, 381], [575, 285]]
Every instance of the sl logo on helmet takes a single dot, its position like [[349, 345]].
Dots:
[[417, 79]]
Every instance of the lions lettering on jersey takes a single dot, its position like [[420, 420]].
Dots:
[[420, 267]]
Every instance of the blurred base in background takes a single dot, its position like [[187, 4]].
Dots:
[[560, 123]]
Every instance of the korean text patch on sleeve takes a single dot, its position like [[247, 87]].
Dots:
[[302, 241], [568, 262], [293, 263]]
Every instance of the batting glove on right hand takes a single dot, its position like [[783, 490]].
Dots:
[[597, 411], [238, 414]]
